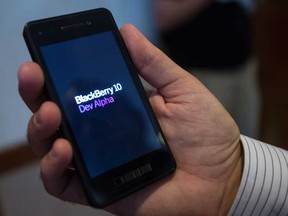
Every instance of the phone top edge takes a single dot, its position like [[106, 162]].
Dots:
[[43, 20], [43, 31]]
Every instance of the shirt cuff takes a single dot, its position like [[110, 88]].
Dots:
[[264, 186]]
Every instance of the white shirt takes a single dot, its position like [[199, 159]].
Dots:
[[264, 185]]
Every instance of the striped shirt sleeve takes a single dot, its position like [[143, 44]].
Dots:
[[264, 186]]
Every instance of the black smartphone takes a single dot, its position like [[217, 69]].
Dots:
[[117, 141]]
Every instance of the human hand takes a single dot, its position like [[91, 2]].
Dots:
[[203, 137]]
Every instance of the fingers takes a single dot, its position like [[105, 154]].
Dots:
[[43, 127], [58, 180], [44, 123], [153, 65], [54, 166], [31, 85]]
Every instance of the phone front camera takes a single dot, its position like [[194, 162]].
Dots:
[[88, 23]]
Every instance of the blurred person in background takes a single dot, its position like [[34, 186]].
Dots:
[[212, 40]]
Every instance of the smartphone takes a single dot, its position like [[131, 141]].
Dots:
[[117, 141]]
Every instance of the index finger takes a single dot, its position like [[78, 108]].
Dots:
[[31, 85]]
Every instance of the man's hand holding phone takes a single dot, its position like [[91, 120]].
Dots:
[[202, 137]]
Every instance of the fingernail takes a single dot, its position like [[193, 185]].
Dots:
[[37, 119], [53, 153]]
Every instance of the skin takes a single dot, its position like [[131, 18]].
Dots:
[[203, 138]]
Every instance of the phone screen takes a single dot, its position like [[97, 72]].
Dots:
[[101, 103]]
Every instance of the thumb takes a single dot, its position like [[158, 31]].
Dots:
[[152, 64]]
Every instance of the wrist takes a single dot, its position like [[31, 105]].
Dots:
[[233, 183]]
